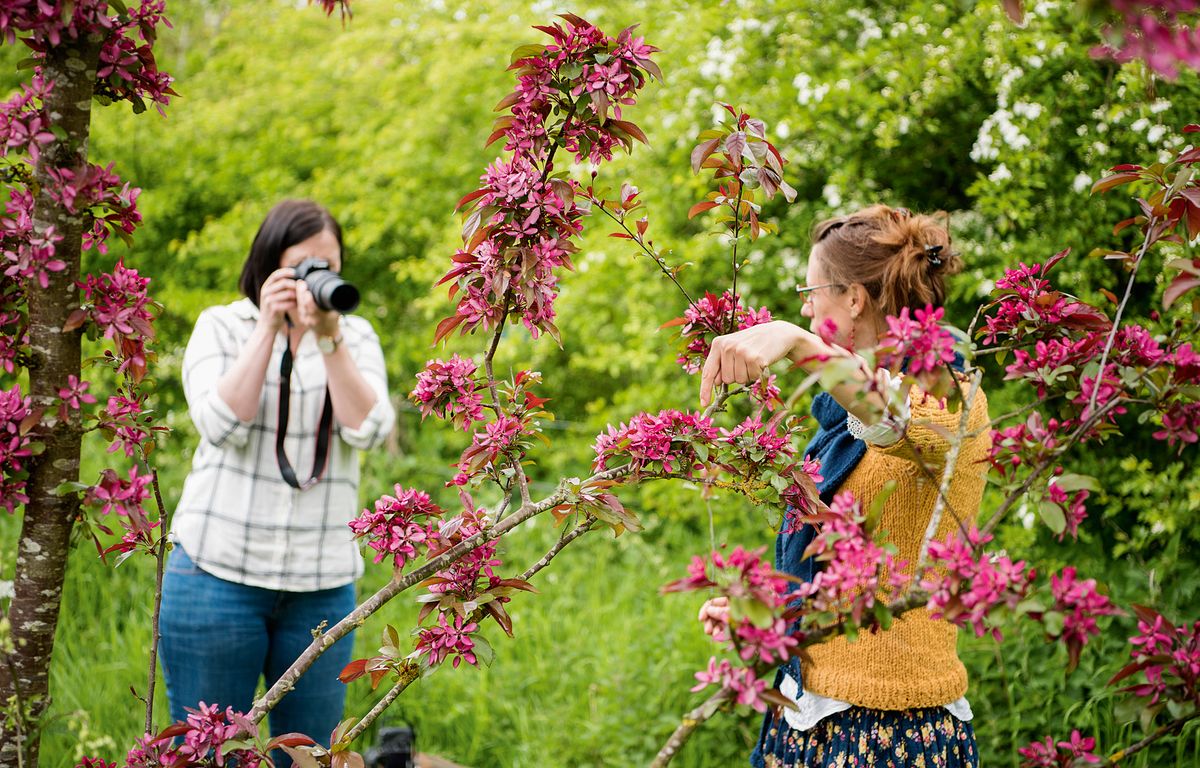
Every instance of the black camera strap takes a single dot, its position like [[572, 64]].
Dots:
[[324, 429]]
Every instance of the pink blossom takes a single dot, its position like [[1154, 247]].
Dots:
[[400, 526], [448, 639], [74, 396], [447, 390], [857, 571], [974, 583], [14, 448], [652, 444], [1046, 754], [1080, 605], [1168, 656], [124, 497], [919, 339], [1181, 423], [746, 685], [709, 317], [1072, 505]]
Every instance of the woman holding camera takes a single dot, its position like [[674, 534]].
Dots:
[[284, 393]]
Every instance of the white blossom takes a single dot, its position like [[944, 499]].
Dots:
[[1081, 182]]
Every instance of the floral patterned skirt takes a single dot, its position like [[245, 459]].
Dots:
[[911, 738]]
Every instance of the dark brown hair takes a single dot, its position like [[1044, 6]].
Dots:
[[900, 257], [288, 223]]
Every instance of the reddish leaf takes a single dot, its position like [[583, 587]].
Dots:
[[673, 323], [1145, 613], [1053, 260], [171, 731], [30, 421], [1109, 295], [471, 197], [495, 136], [701, 153], [1126, 167], [520, 584], [1124, 223], [532, 401], [1113, 181], [497, 612], [632, 129], [1191, 128], [75, 319], [507, 101], [290, 740], [1179, 286], [700, 208], [621, 236], [445, 327], [377, 675], [1015, 10], [1128, 670], [353, 670]]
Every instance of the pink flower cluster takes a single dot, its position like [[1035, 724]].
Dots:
[[858, 571], [1151, 30], [652, 444], [14, 448], [448, 639], [756, 444], [400, 526], [743, 681], [1181, 423], [24, 125], [1080, 604], [128, 69], [129, 423], [1168, 655], [447, 390], [205, 733], [462, 577], [124, 497], [98, 190], [13, 332], [1027, 305], [45, 23], [74, 396], [119, 304], [974, 583], [920, 339], [30, 255], [712, 316], [1066, 754], [1024, 443], [521, 222], [500, 438], [743, 576]]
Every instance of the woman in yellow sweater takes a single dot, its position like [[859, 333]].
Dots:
[[894, 697]]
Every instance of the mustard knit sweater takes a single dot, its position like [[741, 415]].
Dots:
[[914, 663]]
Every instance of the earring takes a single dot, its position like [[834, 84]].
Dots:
[[851, 341]]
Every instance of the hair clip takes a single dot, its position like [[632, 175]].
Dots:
[[933, 254]]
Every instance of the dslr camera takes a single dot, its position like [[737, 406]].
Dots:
[[328, 288]]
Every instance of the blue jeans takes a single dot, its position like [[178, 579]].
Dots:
[[219, 637]]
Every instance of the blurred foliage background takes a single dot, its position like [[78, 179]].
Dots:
[[931, 105]]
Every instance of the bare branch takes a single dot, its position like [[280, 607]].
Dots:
[[688, 725]]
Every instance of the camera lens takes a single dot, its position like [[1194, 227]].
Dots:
[[328, 288]]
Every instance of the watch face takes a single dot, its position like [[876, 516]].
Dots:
[[325, 344]]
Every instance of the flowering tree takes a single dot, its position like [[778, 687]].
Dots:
[[60, 205], [519, 231]]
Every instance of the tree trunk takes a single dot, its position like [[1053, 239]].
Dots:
[[48, 518]]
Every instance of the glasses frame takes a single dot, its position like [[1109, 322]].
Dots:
[[805, 290]]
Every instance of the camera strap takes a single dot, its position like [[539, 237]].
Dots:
[[324, 429]]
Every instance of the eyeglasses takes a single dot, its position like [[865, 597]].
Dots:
[[805, 290]]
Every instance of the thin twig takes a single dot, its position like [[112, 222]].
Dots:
[[688, 724], [737, 229], [939, 504], [410, 671], [161, 558], [1112, 334], [408, 674], [371, 605], [1121, 754], [658, 260]]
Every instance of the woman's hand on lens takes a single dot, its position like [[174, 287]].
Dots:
[[277, 298], [714, 615], [742, 357], [324, 322]]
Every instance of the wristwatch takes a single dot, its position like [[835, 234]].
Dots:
[[329, 344]]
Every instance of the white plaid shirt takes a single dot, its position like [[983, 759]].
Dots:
[[237, 518]]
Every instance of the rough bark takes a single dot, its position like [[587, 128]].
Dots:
[[48, 517]]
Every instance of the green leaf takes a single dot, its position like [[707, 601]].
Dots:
[[527, 52], [483, 650], [69, 487], [1053, 622], [1053, 516], [748, 609], [1071, 482]]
